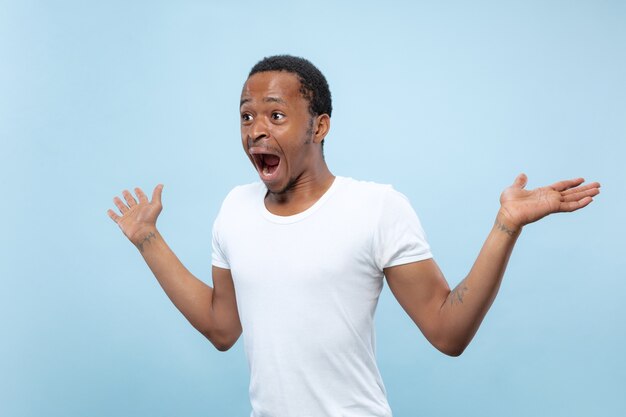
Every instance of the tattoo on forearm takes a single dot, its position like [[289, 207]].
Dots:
[[146, 239], [457, 294], [503, 228]]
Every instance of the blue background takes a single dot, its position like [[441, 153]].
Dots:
[[448, 101]]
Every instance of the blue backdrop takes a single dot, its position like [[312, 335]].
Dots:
[[448, 101]]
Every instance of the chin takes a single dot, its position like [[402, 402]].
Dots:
[[278, 188]]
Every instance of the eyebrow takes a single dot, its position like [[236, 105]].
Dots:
[[265, 100], [274, 100]]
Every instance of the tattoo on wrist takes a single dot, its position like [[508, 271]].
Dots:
[[146, 239], [503, 228], [457, 294]]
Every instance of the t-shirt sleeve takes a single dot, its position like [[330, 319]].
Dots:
[[218, 256], [400, 238]]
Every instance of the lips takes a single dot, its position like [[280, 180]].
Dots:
[[266, 162]]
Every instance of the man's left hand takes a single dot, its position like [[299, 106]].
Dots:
[[519, 207]]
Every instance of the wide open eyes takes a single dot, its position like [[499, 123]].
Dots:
[[246, 117], [277, 116]]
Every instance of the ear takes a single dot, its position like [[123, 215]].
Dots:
[[321, 127]]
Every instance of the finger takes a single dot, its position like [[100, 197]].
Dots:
[[120, 205], [580, 195], [113, 216], [129, 198], [585, 187], [140, 194], [156, 194], [575, 205], [564, 185], [520, 181]]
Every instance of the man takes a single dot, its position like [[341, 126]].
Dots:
[[299, 258]]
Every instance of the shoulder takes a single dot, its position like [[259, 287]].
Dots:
[[380, 202], [246, 192], [365, 188], [241, 200], [373, 192]]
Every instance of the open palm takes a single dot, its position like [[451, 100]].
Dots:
[[137, 215], [521, 206]]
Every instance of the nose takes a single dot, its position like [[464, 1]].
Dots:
[[258, 130]]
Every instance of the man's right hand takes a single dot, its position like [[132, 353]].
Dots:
[[137, 218]]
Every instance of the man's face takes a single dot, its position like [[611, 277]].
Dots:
[[276, 129]]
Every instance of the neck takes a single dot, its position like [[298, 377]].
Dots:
[[302, 193]]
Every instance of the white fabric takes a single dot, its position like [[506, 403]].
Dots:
[[307, 287]]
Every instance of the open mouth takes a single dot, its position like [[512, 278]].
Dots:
[[267, 164]]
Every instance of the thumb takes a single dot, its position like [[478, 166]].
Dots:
[[156, 194], [520, 181]]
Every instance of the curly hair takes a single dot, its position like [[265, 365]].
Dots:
[[313, 84]]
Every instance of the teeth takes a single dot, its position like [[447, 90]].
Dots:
[[266, 170]]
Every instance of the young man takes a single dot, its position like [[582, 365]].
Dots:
[[299, 257]]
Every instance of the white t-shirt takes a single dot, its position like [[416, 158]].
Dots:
[[307, 287]]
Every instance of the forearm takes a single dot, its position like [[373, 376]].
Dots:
[[212, 311], [466, 305], [192, 297], [449, 319]]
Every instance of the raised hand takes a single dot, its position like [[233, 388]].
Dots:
[[137, 216], [519, 207]]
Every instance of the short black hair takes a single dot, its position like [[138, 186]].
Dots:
[[313, 84]]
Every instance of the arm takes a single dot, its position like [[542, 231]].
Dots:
[[450, 319], [212, 311]]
